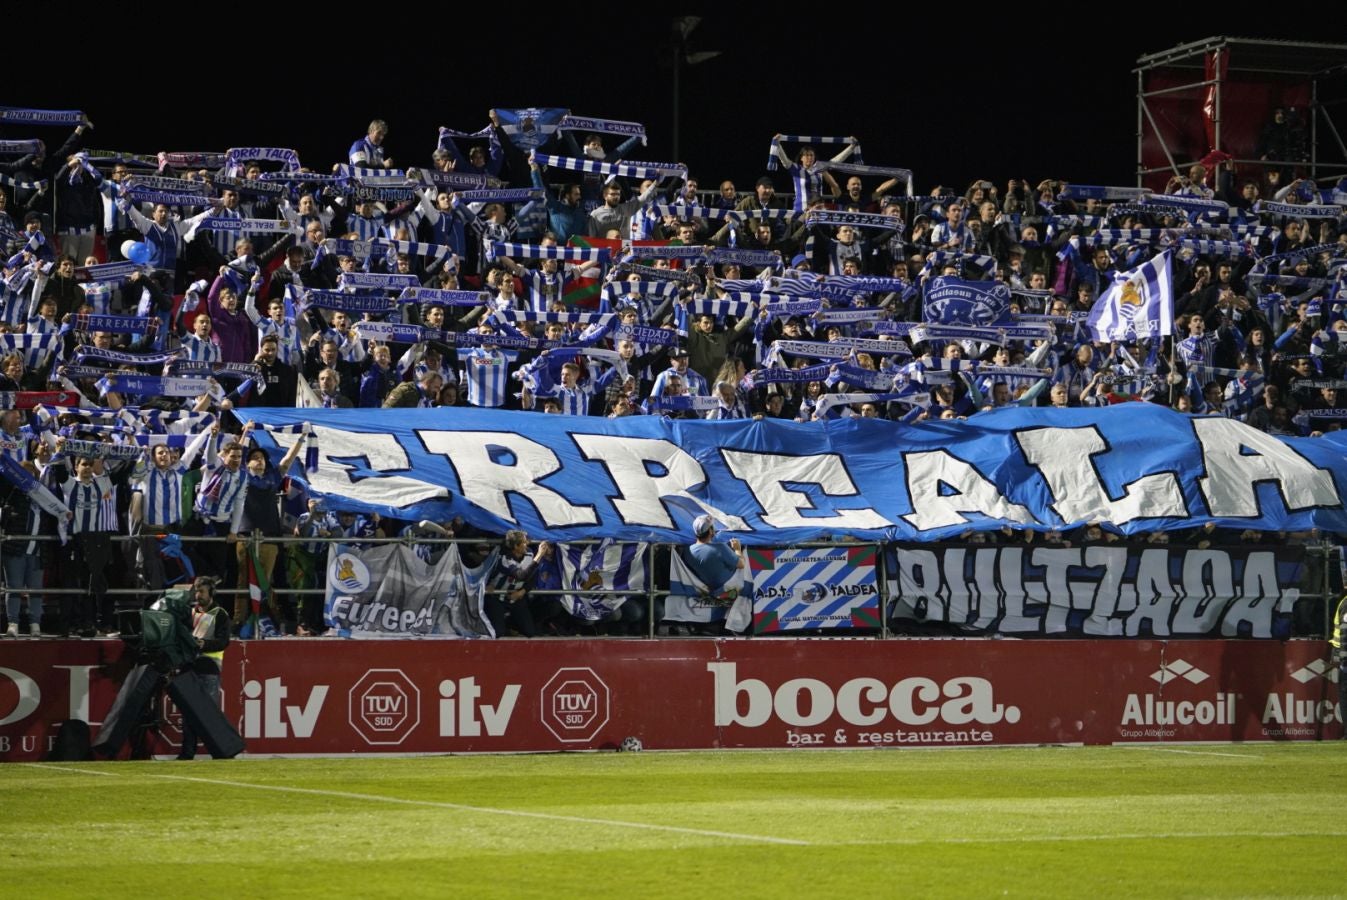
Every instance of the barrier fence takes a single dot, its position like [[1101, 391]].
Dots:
[[300, 698], [1124, 589]]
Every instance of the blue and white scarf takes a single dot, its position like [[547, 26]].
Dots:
[[941, 258], [37, 492], [837, 349], [1298, 211], [377, 280], [189, 368], [107, 273], [229, 223], [368, 251], [101, 450], [781, 309], [664, 251], [166, 184], [643, 334], [685, 212], [76, 373], [30, 346], [566, 318], [1200, 206], [854, 219], [399, 334], [851, 168], [1254, 232], [235, 157], [350, 303], [453, 181], [615, 294], [20, 148], [727, 306], [502, 195], [304, 178], [821, 139], [757, 258], [100, 157], [1001, 336], [41, 116], [250, 186], [603, 126], [1101, 192], [626, 169], [362, 193], [191, 159], [138, 194], [438, 297], [768, 215], [112, 324], [847, 316], [38, 186], [600, 255], [782, 375], [1215, 248], [156, 385], [652, 273]]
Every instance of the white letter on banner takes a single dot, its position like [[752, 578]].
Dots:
[[640, 494], [766, 475], [1231, 479], [926, 471], [488, 483], [384, 454], [1063, 456]]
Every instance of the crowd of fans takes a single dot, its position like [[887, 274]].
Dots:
[[494, 274]]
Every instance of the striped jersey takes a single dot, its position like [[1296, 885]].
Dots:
[[93, 504], [486, 373], [161, 490], [201, 350], [223, 241], [219, 499]]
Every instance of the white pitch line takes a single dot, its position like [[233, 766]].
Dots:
[[1195, 752], [489, 810], [68, 769], [1068, 838]]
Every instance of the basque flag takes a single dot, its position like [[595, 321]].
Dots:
[[1139, 303]]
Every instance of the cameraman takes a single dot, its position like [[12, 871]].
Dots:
[[211, 628]]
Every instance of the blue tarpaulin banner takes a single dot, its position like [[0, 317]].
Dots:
[[1137, 466]]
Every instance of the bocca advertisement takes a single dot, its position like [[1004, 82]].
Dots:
[[319, 697]]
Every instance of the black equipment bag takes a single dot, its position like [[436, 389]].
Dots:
[[128, 710], [201, 710], [72, 742]]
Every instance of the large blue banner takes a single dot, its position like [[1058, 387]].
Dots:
[[1100, 589], [1138, 466]]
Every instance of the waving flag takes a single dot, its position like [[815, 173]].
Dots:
[[693, 600], [606, 566], [1139, 303]]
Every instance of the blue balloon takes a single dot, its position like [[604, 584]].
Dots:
[[140, 253]]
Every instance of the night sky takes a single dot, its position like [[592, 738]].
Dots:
[[951, 104]]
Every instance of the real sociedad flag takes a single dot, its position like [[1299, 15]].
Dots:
[[1139, 303], [606, 566], [533, 126], [954, 301]]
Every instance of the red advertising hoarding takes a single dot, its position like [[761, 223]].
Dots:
[[319, 697]]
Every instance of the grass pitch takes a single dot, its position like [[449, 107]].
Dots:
[[1199, 821]]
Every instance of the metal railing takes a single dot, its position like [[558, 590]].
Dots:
[[1321, 561]]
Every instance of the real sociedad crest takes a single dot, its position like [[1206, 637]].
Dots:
[[349, 573], [954, 301]]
